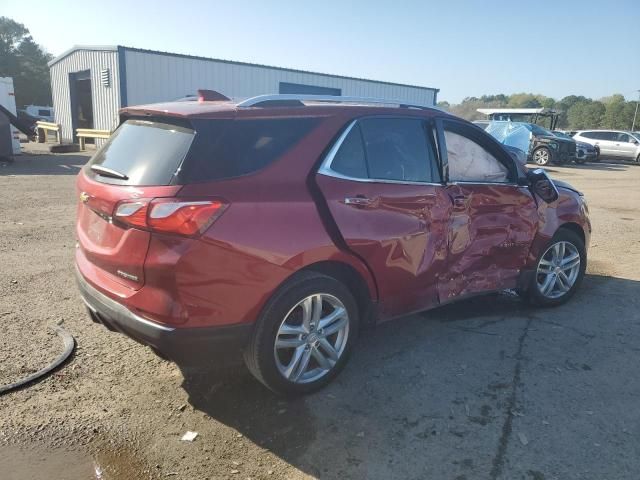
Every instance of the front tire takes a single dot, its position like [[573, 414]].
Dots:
[[559, 270], [541, 156], [304, 335]]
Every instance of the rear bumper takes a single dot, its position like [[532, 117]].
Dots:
[[185, 346]]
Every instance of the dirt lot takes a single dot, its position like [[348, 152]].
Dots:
[[485, 389]]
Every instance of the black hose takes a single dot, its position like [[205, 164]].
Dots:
[[69, 346]]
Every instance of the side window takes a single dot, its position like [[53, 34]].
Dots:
[[471, 162], [622, 137], [398, 149], [610, 136], [350, 159], [591, 135], [231, 148]]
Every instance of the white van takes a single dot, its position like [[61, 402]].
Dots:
[[612, 143], [40, 112]]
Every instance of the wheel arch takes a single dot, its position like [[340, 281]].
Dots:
[[354, 281], [575, 228]]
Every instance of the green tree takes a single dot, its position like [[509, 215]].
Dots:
[[524, 100], [25, 61], [575, 116], [576, 111], [614, 112], [593, 114]]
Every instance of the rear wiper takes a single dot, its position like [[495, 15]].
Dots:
[[107, 172]]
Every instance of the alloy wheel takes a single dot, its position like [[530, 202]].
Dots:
[[541, 156], [558, 269], [311, 338]]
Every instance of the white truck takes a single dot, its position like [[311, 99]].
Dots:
[[9, 135]]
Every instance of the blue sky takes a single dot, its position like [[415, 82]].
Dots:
[[465, 48]]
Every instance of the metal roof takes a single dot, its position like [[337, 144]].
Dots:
[[232, 62]]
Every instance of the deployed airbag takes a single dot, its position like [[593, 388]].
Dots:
[[469, 162]]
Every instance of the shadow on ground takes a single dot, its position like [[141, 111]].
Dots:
[[44, 164], [429, 394], [618, 166]]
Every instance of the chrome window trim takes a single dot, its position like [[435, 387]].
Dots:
[[464, 182], [326, 170]]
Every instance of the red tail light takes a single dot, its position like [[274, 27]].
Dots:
[[169, 215]]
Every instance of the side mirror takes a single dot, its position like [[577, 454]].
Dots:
[[634, 141], [542, 185]]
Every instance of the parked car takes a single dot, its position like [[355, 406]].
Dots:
[[541, 145], [282, 225], [612, 143], [584, 151]]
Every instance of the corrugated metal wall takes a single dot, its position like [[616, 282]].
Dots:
[[153, 77], [106, 100]]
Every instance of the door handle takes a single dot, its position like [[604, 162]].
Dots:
[[359, 201], [459, 201]]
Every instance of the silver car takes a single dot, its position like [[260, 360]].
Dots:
[[612, 143]]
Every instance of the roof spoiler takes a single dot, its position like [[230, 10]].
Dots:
[[211, 96]]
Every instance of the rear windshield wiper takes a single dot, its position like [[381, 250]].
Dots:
[[108, 172]]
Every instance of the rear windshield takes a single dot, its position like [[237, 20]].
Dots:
[[147, 153], [156, 153]]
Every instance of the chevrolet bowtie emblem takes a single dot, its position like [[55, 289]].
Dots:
[[84, 197]]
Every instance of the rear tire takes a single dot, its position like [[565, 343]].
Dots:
[[296, 347], [541, 156], [559, 270]]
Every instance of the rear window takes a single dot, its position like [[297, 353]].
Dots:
[[158, 153], [231, 148], [146, 152]]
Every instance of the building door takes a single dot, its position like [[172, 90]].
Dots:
[[81, 100]]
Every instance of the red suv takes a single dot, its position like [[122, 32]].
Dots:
[[283, 224]]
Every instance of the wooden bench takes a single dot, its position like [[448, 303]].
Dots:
[[44, 127], [84, 133]]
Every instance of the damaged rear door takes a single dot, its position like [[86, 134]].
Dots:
[[381, 183]]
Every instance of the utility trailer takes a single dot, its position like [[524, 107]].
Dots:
[[526, 115]]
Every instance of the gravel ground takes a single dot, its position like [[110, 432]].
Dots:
[[484, 389]]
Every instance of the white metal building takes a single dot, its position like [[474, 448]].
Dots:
[[90, 83]]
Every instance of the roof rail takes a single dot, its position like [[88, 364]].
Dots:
[[265, 100]]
